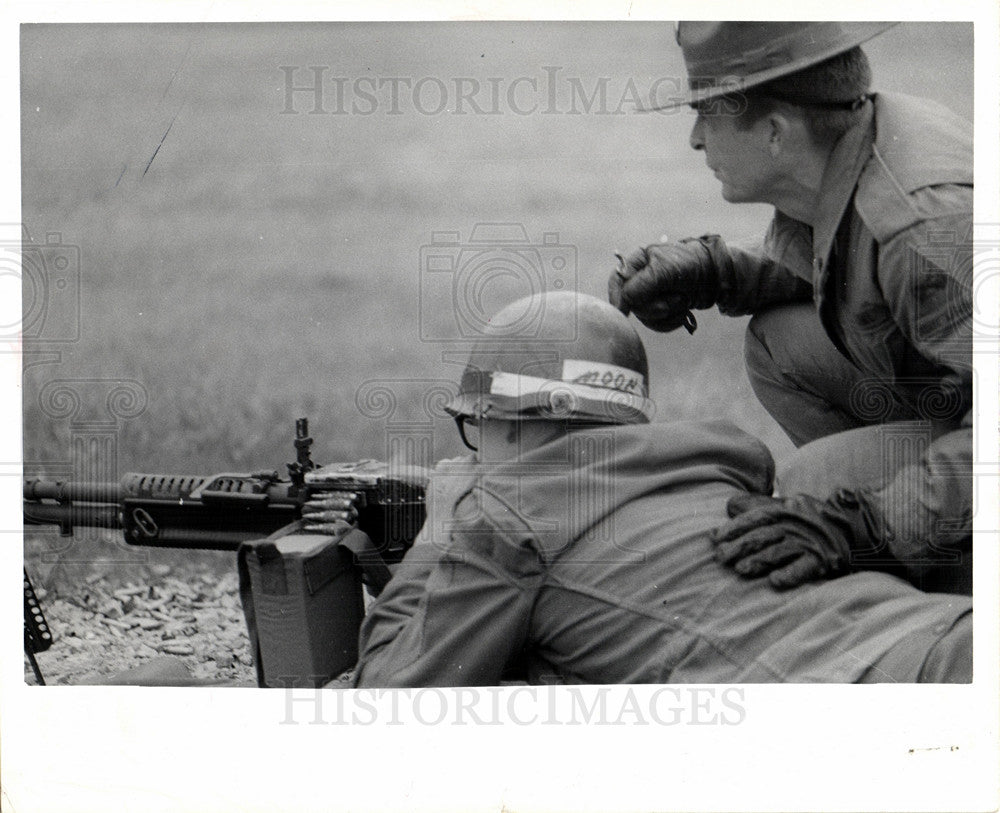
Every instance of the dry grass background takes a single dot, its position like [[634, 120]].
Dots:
[[267, 265]]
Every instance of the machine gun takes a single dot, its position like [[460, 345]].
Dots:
[[221, 511], [343, 525]]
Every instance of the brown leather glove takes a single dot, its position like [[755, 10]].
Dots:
[[661, 283], [800, 539]]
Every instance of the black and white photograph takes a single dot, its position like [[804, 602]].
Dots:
[[482, 410]]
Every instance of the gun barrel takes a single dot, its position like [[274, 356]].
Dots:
[[62, 491], [91, 516]]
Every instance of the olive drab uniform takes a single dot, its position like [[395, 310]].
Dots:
[[588, 560], [888, 266]]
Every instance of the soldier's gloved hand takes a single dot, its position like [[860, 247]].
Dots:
[[794, 540], [661, 283]]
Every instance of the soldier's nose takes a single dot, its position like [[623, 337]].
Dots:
[[697, 139]]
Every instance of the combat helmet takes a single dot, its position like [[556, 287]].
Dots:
[[578, 361]]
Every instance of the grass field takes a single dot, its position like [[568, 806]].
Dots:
[[246, 266]]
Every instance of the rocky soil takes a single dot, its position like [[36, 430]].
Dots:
[[108, 616], [173, 615]]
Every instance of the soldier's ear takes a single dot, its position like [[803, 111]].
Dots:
[[778, 131]]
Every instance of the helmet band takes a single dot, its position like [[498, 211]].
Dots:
[[615, 393]]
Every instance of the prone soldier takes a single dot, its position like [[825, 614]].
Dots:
[[574, 545]]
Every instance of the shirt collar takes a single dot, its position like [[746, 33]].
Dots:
[[840, 177]]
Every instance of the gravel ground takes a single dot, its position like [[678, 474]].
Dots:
[[110, 624], [112, 609]]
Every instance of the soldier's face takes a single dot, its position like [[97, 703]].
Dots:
[[738, 157]]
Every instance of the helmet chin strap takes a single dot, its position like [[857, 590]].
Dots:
[[460, 422]]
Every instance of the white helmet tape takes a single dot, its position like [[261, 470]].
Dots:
[[587, 389], [607, 376]]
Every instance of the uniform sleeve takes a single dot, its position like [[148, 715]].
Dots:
[[756, 277], [926, 275], [459, 615], [927, 511]]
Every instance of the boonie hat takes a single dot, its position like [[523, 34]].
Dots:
[[728, 57]]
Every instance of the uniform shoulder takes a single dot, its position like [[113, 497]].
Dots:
[[481, 510], [918, 144], [691, 451], [487, 526]]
